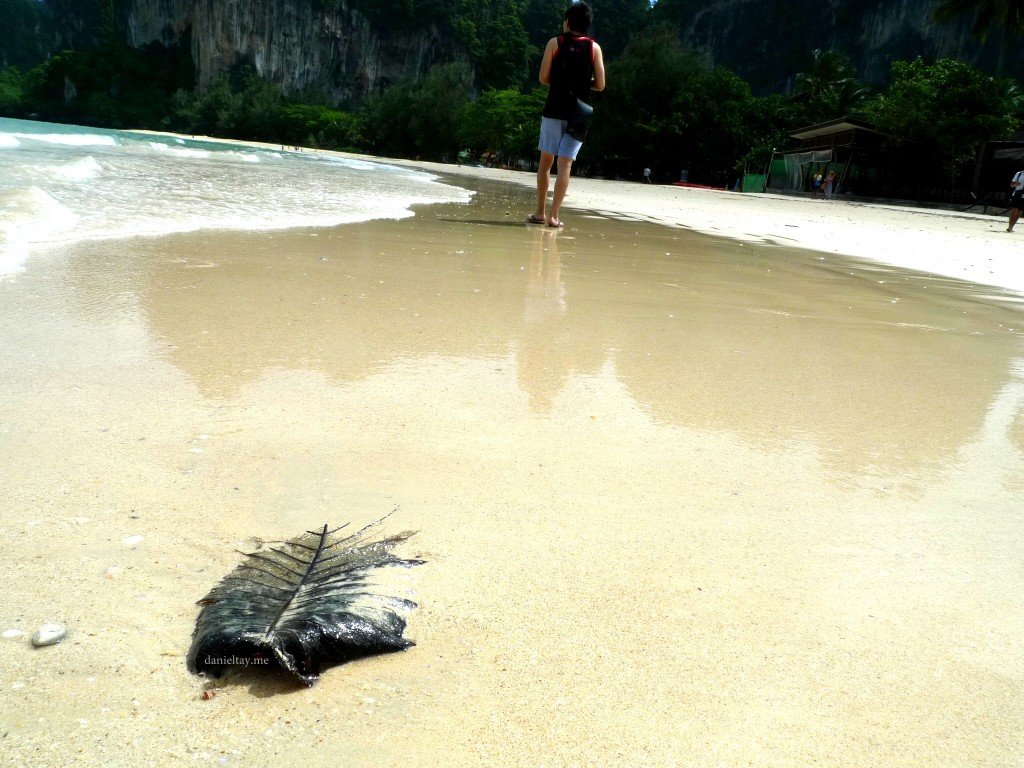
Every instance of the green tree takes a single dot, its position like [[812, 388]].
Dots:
[[504, 54], [542, 20], [769, 121], [1003, 16], [257, 104], [949, 106], [11, 91], [503, 121], [666, 109], [422, 118], [331, 128], [113, 86], [830, 87], [615, 21]]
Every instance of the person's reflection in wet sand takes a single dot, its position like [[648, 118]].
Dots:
[[545, 293], [543, 366]]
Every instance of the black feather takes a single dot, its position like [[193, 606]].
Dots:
[[302, 605]]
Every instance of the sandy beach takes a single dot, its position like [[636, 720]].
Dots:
[[685, 500]]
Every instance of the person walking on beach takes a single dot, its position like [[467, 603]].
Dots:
[[572, 66], [647, 175], [1016, 199]]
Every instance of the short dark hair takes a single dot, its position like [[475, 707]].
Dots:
[[580, 17]]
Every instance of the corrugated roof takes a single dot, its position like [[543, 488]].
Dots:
[[834, 126]]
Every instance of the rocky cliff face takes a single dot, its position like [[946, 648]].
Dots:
[[299, 44], [767, 41], [295, 43]]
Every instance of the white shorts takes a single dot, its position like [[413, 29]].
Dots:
[[555, 141]]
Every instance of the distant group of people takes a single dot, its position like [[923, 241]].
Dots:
[[823, 184]]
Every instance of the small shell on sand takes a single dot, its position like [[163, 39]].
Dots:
[[49, 634], [131, 541]]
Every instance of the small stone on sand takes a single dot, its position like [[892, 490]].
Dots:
[[49, 634], [132, 541]]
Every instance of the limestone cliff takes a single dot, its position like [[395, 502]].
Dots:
[[299, 44], [295, 43], [330, 46], [767, 41]]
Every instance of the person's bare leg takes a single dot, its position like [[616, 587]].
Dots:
[[1014, 215], [543, 182], [561, 185]]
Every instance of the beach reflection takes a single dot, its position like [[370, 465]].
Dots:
[[540, 368], [867, 366]]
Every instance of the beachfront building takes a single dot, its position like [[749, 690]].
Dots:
[[870, 164], [852, 148]]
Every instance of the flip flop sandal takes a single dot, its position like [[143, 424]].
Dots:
[[534, 219], [556, 224]]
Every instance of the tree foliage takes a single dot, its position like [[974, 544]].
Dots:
[[420, 119], [11, 91], [503, 55], [830, 85], [113, 86], [669, 111], [503, 122], [949, 106]]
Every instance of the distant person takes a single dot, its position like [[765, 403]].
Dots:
[[1016, 199], [647, 175], [816, 184], [830, 184], [572, 66]]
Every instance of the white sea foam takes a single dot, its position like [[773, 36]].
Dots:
[[360, 165], [7, 141], [80, 170], [29, 216], [12, 257], [71, 139], [131, 185], [178, 151]]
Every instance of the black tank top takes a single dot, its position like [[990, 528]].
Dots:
[[572, 69]]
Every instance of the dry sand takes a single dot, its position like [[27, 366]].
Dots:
[[685, 501]]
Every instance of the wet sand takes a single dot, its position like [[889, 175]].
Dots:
[[965, 244], [684, 501]]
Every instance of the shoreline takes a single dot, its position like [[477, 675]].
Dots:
[[971, 247]]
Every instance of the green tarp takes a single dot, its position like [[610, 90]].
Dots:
[[754, 182]]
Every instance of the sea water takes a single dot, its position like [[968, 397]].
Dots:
[[62, 183]]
